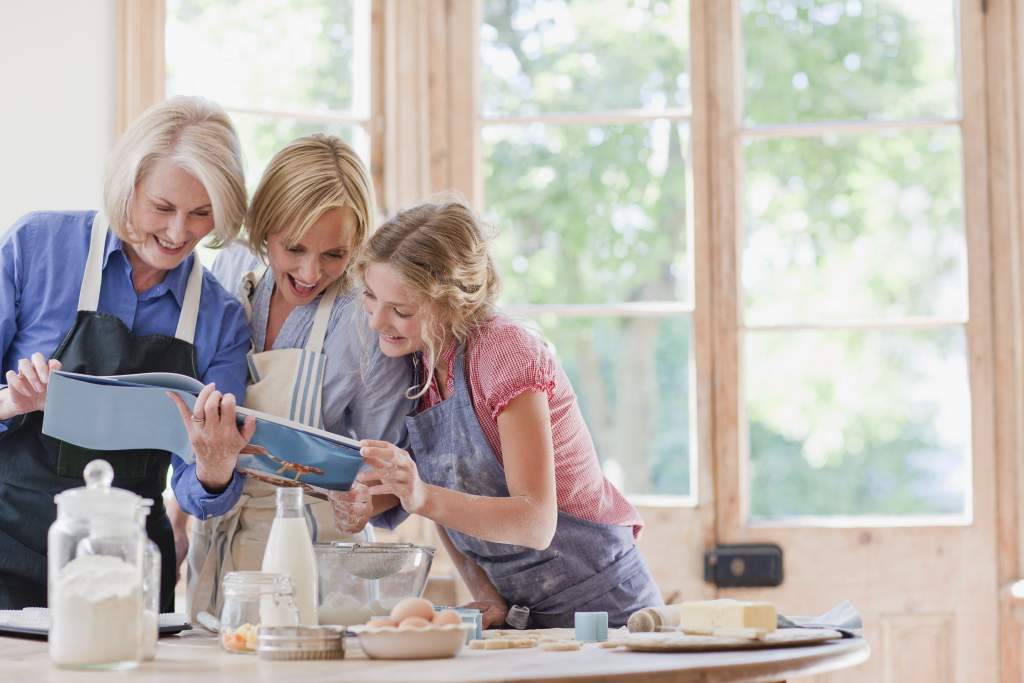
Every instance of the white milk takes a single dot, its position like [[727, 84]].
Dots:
[[290, 551]]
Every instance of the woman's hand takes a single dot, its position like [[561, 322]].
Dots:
[[397, 473], [26, 388], [352, 508], [493, 611], [215, 436]]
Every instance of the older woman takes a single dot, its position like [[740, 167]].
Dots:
[[116, 292]]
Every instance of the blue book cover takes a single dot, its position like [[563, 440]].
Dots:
[[127, 412]]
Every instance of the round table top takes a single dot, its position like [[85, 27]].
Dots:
[[196, 656]]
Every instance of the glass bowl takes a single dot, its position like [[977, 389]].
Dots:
[[363, 580]]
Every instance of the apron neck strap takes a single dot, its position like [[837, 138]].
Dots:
[[89, 294], [92, 281], [318, 333], [186, 331]]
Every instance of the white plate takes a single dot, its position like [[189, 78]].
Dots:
[[430, 642]]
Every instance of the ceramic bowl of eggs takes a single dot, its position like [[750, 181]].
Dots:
[[413, 630]]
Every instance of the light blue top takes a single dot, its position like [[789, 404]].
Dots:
[[42, 261], [363, 390]]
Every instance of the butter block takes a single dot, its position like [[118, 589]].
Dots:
[[706, 616]]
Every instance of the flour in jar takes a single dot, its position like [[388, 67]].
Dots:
[[96, 612]]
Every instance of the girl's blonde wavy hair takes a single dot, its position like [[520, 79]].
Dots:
[[439, 250], [197, 135], [309, 176]]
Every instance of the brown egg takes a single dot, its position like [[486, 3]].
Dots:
[[413, 607], [449, 616], [413, 623], [381, 623]]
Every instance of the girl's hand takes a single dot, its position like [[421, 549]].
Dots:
[[26, 388], [215, 436], [352, 508], [397, 473], [494, 611]]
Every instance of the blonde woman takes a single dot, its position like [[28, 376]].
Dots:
[[501, 458], [115, 292], [310, 216]]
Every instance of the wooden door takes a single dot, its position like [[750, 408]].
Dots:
[[922, 572]]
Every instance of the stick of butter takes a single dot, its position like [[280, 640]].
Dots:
[[706, 616]]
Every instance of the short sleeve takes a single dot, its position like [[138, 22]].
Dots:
[[510, 360]]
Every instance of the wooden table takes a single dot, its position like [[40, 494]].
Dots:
[[196, 657]]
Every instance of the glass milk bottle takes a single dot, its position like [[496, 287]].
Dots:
[[95, 561], [290, 551]]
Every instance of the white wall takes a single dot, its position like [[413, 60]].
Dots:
[[57, 111]]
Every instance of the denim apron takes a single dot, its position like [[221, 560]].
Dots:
[[589, 566], [35, 467], [283, 382]]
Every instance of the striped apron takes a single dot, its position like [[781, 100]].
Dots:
[[283, 382]]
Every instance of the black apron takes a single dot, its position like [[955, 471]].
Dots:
[[35, 467]]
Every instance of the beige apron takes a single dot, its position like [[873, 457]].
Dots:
[[287, 383]]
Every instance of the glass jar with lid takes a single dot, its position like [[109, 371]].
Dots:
[[95, 577], [253, 599]]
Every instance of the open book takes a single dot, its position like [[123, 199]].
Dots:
[[127, 412]]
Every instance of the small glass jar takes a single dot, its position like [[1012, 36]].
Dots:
[[253, 599], [95, 563]]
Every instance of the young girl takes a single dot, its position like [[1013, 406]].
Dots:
[[502, 459], [310, 215]]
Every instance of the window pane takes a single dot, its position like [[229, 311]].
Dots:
[[858, 59], [878, 424], [854, 226], [584, 55], [590, 214], [306, 55], [263, 136], [637, 405]]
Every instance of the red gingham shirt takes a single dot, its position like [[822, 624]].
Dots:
[[503, 360]]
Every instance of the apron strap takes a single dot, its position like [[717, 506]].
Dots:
[[92, 280], [186, 331], [315, 342]]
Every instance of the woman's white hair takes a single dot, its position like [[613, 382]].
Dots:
[[197, 135]]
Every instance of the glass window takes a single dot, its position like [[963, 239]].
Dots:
[[854, 255], [282, 69], [593, 212]]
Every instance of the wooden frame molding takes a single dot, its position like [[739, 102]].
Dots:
[[140, 59], [1004, 97]]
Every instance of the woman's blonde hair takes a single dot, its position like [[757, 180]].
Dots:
[[439, 250], [197, 135], [311, 175]]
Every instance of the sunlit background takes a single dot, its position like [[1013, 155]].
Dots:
[[853, 277]]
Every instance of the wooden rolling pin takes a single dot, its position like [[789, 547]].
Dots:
[[705, 616], [653, 619]]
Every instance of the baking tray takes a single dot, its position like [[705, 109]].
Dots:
[[169, 624]]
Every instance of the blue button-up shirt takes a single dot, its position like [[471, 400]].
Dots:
[[42, 261]]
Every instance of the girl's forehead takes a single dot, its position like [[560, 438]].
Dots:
[[387, 284]]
